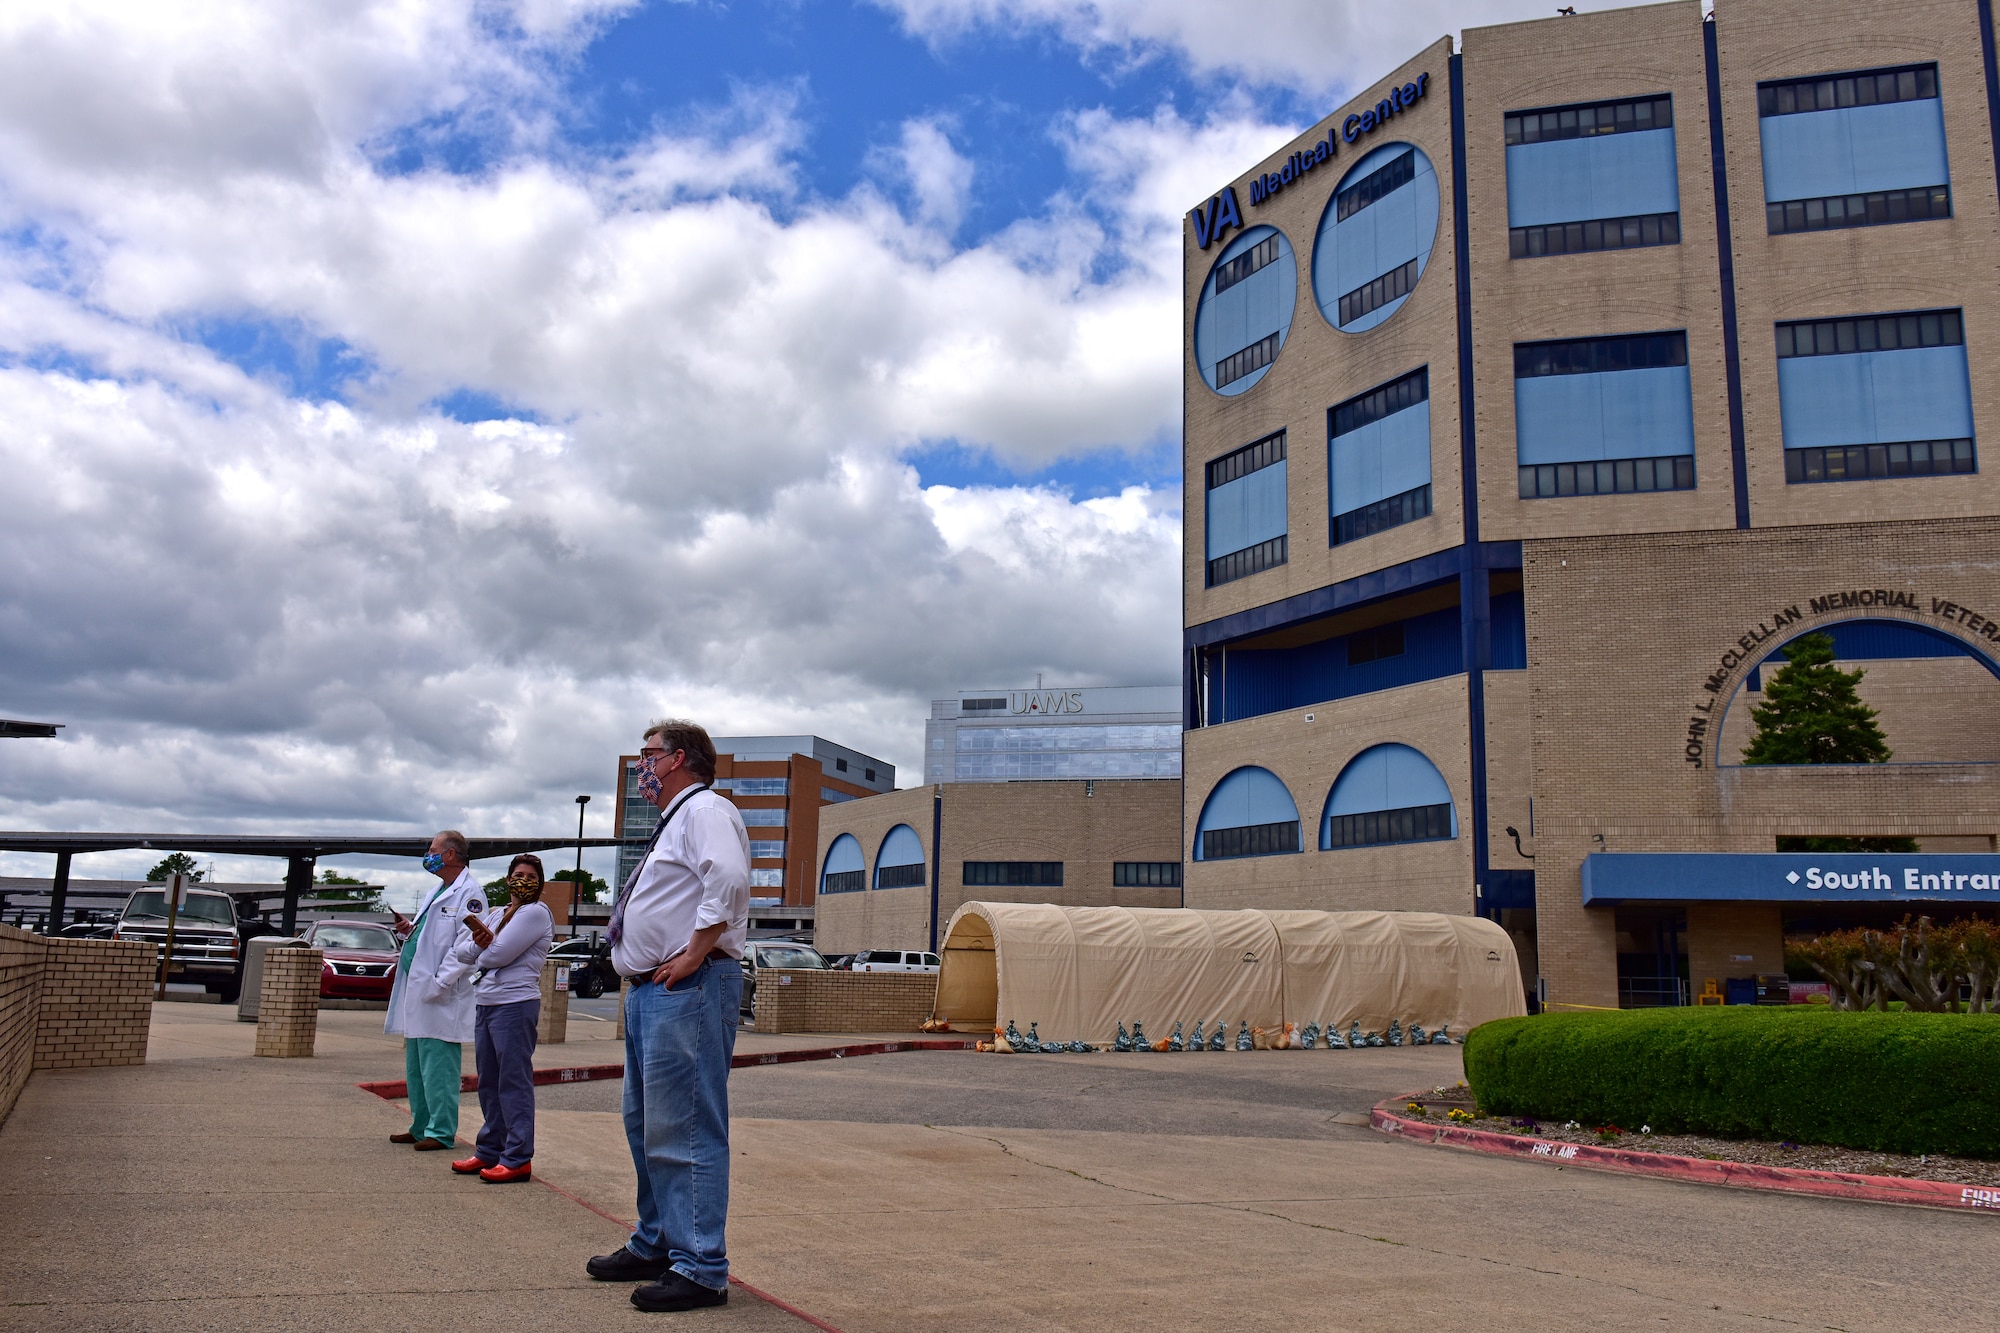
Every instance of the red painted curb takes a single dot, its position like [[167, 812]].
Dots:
[[1693, 1170], [390, 1090]]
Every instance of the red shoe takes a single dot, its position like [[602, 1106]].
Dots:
[[506, 1175], [470, 1166]]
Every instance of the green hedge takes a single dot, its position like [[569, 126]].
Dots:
[[1910, 1083]]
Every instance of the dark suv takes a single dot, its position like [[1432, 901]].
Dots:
[[207, 945]]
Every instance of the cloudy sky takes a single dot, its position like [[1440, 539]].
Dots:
[[402, 401]]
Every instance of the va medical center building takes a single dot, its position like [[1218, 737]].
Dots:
[[1535, 400]]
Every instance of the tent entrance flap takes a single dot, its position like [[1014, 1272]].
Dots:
[[1079, 972]]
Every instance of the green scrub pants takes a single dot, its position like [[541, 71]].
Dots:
[[431, 1068]]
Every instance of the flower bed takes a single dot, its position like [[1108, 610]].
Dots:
[[1454, 1106], [1897, 1083]]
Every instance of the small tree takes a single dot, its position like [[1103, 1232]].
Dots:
[[588, 886], [344, 893], [1811, 713], [176, 863]]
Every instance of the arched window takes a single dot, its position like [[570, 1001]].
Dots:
[[1250, 813], [1375, 237], [900, 863], [845, 871], [1386, 794]]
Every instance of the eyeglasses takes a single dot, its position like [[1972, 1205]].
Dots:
[[655, 755]]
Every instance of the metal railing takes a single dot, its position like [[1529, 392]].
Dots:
[[1652, 992]]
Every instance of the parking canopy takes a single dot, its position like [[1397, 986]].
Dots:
[[1078, 972]]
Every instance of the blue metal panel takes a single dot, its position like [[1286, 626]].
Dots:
[[1616, 414], [1246, 511], [1381, 459], [1575, 180], [1423, 571], [1791, 877], [901, 848], [1510, 632], [1386, 777], [1854, 149], [842, 857], [1246, 798], [1271, 680], [1387, 234], [1918, 393], [1732, 361], [1227, 322]]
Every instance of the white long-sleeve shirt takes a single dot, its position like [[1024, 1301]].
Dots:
[[698, 874], [513, 962]]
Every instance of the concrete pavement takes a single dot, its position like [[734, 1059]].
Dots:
[[927, 1190]]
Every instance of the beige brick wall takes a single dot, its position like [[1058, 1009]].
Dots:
[[96, 1005], [288, 1005], [817, 1001], [1086, 826], [21, 954]]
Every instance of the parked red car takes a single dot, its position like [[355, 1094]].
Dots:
[[360, 959]]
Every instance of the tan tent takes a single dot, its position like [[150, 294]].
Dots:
[[1078, 972]]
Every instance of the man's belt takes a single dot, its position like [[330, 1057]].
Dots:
[[646, 978]]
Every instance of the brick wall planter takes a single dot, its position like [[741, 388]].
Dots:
[[67, 1004], [818, 1001]]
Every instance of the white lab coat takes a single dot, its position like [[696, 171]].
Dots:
[[433, 996]]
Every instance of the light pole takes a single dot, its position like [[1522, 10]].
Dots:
[[576, 892]]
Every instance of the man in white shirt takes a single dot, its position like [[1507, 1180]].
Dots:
[[677, 933]]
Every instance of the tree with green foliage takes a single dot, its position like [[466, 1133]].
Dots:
[[177, 863], [588, 886], [344, 893], [1811, 714]]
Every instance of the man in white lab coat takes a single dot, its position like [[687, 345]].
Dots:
[[431, 1006]]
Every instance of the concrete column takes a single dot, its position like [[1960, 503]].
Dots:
[[288, 1003], [59, 894], [554, 1025]]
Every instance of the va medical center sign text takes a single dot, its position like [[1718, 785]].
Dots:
[[1790, 877]]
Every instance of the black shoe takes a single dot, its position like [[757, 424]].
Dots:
[[674, 1292], [621, 1265]]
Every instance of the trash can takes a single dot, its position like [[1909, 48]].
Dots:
[[1740, 990], [253, 972]]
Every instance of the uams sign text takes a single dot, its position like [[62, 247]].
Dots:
[[1045, 701]]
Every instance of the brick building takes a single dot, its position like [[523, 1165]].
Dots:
[[780, 783], [1534, 400], [886, 862]]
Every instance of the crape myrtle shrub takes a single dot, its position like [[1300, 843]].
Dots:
[[1887, 1082]]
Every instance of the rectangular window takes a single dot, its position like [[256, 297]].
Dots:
[[765, 849], [1251, 359], [1871, 462], [1416, 823], [1250, 560], [1385, 179], [1377, 293], [1570, 238], [1871, 333], [1146, 874], [1861, 149], [1014, 874], [1371, 645], [763, 818], [767, 879], [1587, 120], [1875, 87], [844, 881], [828, 796], [1594, 356], [900, 877], [1220, 844], [1368, 408], [982, 706], [755, 786], [1837, 212], [1241, 267], [1239, 464], [1382, 515], [1608, 477]]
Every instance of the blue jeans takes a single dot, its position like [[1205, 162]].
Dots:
[[678, 1044], [503, 1051]]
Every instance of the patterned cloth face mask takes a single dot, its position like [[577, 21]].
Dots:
[[433, 862], [649, 781]]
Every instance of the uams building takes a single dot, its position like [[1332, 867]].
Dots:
[[1535, 399]]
